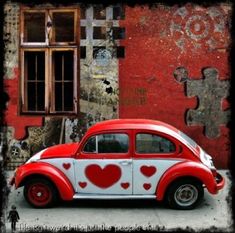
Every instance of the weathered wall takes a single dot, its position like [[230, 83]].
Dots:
[[176, 70], [98, 92]]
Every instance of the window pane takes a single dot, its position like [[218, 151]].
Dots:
[[40, 96], [68, 65], [34, 76], [113, 143], [63, 23], [35, 65], [68, 96], [34, 27], [36, 96], [58, 97], [63, 65], [63, 71], [90, 145], [149, 143], [31, 96]]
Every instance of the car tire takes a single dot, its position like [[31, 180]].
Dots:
[[40, 193], [185, 194]]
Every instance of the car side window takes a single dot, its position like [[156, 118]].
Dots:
[[150, 143], [107, 143]]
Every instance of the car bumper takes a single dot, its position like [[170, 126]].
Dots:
[[220, 181]]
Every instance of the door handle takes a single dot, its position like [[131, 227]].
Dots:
[[125, 163]]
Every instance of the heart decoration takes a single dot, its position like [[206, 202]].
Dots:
[[147, 186], [125, 185], [66, 166], [82, 184], [103, 177], [148, 170]]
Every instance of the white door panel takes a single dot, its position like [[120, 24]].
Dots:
[[104, 176]]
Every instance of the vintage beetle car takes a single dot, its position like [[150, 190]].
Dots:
[[122, 159]]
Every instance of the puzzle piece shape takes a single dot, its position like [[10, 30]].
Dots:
[[211, 93]]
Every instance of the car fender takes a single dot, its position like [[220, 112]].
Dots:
[[186, 169], [49, 171]]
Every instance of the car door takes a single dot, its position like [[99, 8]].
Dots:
[[154, 153], [104, 165]]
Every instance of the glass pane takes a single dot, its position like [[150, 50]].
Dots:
[[113, 143], [63, 65], [35, 65], [34, 27], [36, 96], [149, 143], [58, 97], [63, 23], [68, 96], [34, 74], [90, 145], [57, 61], [68, 65], [41, 96], [63, 70], [31, 97]]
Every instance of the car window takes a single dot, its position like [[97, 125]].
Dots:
[[151, 143], [107, 143]]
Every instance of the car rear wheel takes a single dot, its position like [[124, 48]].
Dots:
[[185, 194], [40, 193]]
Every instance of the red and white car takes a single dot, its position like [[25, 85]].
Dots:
[[121, 159]]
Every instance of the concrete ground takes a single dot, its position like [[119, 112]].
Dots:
[[213, 213]]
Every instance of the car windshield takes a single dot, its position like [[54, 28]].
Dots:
[[189, 140]]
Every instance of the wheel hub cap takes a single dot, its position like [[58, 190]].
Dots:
[[186, 195]]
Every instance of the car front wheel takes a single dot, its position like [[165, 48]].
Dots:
[[185, 194], [40, 193]]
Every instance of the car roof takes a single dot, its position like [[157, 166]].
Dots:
[[125, 124]]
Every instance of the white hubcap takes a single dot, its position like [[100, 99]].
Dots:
[[186, 195]]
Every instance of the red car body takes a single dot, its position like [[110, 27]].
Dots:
[[122, 159]]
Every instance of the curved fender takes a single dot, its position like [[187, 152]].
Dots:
[[184, 169], [62, 183]]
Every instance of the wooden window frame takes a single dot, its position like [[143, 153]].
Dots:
[[48, 47]]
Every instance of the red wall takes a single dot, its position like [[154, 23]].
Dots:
[[154, 48]]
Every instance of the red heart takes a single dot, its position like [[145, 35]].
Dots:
[[125, 185], [82, 184], [147, 186], [66, 165], [103, 177], [148, 170]]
